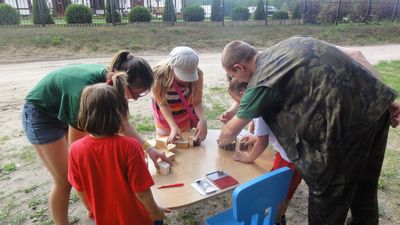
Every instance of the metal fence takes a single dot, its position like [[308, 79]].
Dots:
[[350, 11], [310, 11]]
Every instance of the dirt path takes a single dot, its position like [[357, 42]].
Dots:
[[30, 183]]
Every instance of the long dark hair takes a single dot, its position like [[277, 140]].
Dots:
[[140, 74]]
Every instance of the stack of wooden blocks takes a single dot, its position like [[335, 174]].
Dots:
[[162, 143], [233, 146]]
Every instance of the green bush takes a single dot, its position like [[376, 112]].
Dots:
[[296, 12], [280, 15], [139, 14], [216, 11], [8, 15], [48, 19], [76, 13], [240, 13], [260, 13], [193, 13], [117, 16], [169, 12]]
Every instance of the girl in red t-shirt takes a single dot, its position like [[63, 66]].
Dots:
[[108, 170]]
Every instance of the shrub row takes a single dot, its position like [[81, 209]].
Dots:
[[78, 14]]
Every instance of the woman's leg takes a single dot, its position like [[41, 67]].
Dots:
[[55, 158]]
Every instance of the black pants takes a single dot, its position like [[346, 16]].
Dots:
[[355, 184]]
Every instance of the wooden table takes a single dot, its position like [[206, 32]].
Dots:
[[194, 163]]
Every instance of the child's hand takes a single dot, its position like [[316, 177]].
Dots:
[[159, 215], [226, 116], [90, 215], [249, 139], [165, 210], [174, 135], [242, 157], [155, 155], [201, 133]]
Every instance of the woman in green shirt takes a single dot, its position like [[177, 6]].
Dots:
[[50, 116]]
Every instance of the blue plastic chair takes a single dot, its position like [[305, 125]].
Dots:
[[256, 201]]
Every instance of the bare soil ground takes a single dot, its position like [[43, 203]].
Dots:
[[23, 192]]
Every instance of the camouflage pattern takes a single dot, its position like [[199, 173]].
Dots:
[[329, 101]]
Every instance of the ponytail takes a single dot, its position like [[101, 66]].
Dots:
[[138, 70], [119, 81]]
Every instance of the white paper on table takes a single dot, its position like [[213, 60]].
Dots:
[[211, 187]]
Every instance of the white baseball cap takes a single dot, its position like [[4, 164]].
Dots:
[[184, 61]]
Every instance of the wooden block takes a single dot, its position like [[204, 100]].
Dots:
[[190, 141], [196, 143], [170, 155], [161, 142], [230, 147], [193, 142], [243, 146], [165, 168], [152, 142], [171, 148], [182, 144]]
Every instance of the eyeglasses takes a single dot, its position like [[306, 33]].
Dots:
[[137, 95]]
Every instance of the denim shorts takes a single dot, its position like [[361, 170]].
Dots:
[[40, 127]]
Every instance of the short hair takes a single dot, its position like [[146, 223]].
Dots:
[[236, 52], [102, 110], [235, 86]]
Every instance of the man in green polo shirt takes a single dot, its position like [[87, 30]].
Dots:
[[329, 113]]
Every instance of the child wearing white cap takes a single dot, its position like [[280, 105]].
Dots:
[[177, 95]]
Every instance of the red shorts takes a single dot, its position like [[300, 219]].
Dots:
[[279, 162]]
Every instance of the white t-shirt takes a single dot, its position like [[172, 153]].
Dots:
[[261, 129]]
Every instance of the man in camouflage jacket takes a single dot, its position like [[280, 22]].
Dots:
[[328, 112]]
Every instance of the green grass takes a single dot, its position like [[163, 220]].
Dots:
[[142, 123], [7, 216], [27, 154], [4, 139], [69, 41], [74, 197], [213, 107], [389, 72], [8, 168], [30, 188], [389, 180], [188, 217], [390, 175]]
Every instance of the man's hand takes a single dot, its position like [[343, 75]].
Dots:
[[395, 114], [155, 155]]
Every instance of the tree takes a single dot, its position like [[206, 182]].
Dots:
[[40, 8], [216, 11], [296, 12], [193, 13], [260, 13], [8, 15], [276, 3], [169, 11], [112, 9], [284, 7]]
